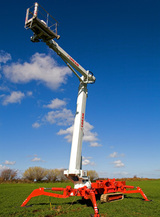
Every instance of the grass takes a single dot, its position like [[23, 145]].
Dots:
[[12, 196]]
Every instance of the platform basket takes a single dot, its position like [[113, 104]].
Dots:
[[41, 23]]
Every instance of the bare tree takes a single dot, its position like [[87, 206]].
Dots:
[[40, 173], [52, 175], [60, 175], [93, 175], [29, 174], [35, 173], [8, 174]]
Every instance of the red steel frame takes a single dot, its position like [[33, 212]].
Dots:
[[98, 188]]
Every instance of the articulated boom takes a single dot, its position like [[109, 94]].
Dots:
[[109, 189]]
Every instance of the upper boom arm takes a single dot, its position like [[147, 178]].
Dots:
[[45, 29], [88, 77]]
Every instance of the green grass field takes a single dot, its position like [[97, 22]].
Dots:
[[12, 196]]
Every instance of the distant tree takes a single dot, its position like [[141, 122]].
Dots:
[[51, 175], [92, 174], [40, 173], [60, 175], [8, 174], [35, 173], [29, 174]]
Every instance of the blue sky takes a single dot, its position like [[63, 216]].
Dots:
[[119, 41]]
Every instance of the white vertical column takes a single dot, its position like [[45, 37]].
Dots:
[[76, 149]]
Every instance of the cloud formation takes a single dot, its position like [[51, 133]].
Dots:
[[9, 162], [62, 117], [55, 103], [89, 136], [36, 125], [95, 144], [116, 154], [68, 132], [118, 163], [3, 167], [4, 56], [86, 161], [42, 68], [37, 159], [14, 97]]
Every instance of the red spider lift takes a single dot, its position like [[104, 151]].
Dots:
[[45, 29]]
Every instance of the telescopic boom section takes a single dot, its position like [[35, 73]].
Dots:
[[75, 172]]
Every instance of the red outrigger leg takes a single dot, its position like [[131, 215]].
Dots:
[[109, 188], [67, 192], [92, 197], [40, 191], [138, 190]]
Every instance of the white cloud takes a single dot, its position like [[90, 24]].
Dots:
[[37, 159], [2, 95], [68, 132], [42, 68], [60, 117], [29, 93], [9, 162], [89, 136], [86, 161], [14, 97], [36, 125], [4, 88], [118, 163], [116, 154], [113, 155], [3, 167], [64, 117], [55, 103], [4, 56], [95, 144]]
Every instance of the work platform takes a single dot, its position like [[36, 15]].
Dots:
[[41, 23]]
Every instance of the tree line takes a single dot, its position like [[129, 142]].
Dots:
[[39, 174]]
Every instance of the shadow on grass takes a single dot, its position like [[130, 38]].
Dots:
[[82, 201], [137, 198]]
